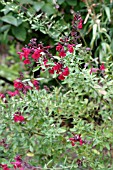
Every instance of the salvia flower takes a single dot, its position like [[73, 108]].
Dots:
[[36, 84], [51, 71], [61, 77], [102, 67], [59, 47], [18, 117], [65, 71], [62, 53], [27, 61], [18, 163], [14, 93], [70, 48], [18, 84], [4, 166], [76, 138], [79, 26], [2, 95], [36, 54], [25, 53]]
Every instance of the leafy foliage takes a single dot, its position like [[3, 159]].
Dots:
[[81, 105]]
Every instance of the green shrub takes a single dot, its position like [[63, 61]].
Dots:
[[63, 127]]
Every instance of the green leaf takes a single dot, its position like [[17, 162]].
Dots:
[[107, 146], [36, 68], [25, 1], [48, 9], [71, 2], [94, 35], [107, 10], [38, 5], [61, 130], [9, 19], [4, 28], [60, 1], [41, 78], [19, 21], [19, 32], [96, 152], [31, 148]]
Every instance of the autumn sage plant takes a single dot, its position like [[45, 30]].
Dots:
[[61, 115]]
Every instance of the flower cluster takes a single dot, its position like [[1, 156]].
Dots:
[[17, 164], [39, 55], [4, 167]]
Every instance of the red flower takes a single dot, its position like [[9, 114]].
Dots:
[[51, 71], [18, 118], [21, 55], [18, 84], [70, 48], [27, 87], [62, 53], [76, 138], [18, 163], [80, 25], [14, 93], [27, 61], [45, 62], [57, 67], [25, 53], [2, 95], [102, 67], [65, 71], [59, 47], [4, 166], [36, 54], [61, 77], [36, 84]]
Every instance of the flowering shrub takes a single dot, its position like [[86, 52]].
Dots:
[[64, 127]]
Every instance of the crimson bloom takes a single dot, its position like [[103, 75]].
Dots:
[[36, 54], [18, 118], [18, 84], [18, 163], [76, 138], [45, 62], [51, 71], [14, 93], [2, 95], [80, 25], [61, 77], [65, 71], [57, 67], [62, 53], [102, 67], [70, 48], [27, 61], [4, 166], [36, 84], [25, 53], [59, 47]]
